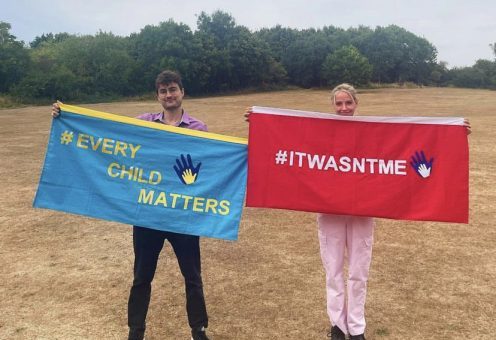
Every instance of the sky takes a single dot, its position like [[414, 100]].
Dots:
[[460, 30]]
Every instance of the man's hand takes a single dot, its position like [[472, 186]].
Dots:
[[56, 110]]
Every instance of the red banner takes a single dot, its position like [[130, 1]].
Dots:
[[391, 167]]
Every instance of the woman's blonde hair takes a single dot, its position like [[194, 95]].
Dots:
[[344, 88]]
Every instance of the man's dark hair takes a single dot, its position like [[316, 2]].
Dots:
[[168, 77]]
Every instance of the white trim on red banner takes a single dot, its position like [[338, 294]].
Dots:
[[372, 119]]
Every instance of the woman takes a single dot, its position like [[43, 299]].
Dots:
[[339, 235], [352, 236]]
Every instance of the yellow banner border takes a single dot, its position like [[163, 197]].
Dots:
[[152, 125]]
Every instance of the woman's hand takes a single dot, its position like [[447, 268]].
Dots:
[[248, 111], [467, 125]]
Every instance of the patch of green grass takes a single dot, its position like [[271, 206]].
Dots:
[[381, 332], [8, 102]]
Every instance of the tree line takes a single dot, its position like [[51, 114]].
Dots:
[[221, 56]]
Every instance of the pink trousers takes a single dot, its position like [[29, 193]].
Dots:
[[340, 236]]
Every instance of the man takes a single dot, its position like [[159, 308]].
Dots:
[[148, 243]]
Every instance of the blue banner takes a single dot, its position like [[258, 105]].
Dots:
[[143, 173]]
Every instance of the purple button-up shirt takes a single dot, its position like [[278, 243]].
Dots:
[[187, 121]]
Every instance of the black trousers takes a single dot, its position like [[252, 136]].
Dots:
[[147, 246]]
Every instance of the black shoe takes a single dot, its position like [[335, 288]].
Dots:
[[136, 334], [336, 333], [357, 337], [198, 334]]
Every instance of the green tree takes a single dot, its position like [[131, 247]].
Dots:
[[79, 67], [101, 63], [398, 55], [304, 57], [481, 75], [358, 36], [49, 38], [488, 69], [235, 57], [14, 58], [466, 77], [440, 74], [168, 45], [346, 65], [278, 38], [214, 33]]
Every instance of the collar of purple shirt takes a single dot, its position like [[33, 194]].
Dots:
[[186, 120]]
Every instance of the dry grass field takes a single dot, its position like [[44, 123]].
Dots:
[[68, 277]]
